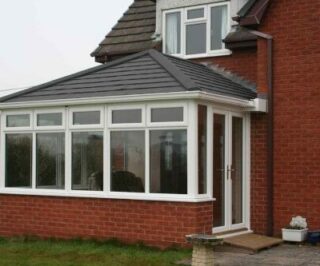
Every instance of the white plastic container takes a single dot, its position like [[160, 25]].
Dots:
[[294, 235]]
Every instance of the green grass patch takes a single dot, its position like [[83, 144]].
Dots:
[[30, 251]]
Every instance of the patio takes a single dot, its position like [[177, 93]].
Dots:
[[284, 255]]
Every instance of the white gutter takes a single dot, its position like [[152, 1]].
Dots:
[[249, 105]]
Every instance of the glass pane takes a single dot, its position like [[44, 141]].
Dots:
[[219, 23], [219, 138], [86, 118], [202, 149], [18, 120], [236, 174], [126, 116], [195, 13], [174, 114], [50, 119], [168, 161], [196, 39], [87, 161], [18, 160], [50, 160], [128, 161], [173, 33]]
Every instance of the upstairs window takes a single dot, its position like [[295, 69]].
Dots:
[[196, 31]]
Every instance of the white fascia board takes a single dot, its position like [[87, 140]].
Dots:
[[185, 95]]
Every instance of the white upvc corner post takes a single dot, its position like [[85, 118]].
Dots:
[[192, 150], [2, 151]]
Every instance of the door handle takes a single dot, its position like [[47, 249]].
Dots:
[[230, 170]]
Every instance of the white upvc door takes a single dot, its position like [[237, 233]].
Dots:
[[230, 171]]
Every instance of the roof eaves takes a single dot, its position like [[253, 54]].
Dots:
[[184, 80], [75, 75]]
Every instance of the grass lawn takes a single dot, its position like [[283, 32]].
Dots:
[[37, 252]]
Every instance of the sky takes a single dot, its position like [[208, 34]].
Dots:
[[41, 40]]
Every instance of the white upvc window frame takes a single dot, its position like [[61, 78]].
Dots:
[[61, 111], [183, 123], [164, 26], [189, 124], [125, 108], [4, 120], [73, 110], [206, 19]]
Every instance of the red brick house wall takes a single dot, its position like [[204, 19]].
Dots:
[[293, 24], [160, 224]]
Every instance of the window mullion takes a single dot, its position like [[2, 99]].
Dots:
[[107, 161], [68, 152], [147, 161]]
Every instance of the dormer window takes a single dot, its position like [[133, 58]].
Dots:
[[196, 31]]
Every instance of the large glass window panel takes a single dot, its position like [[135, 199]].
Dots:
[[128, 161], [172, 114], [50, 160], [195, 13], [219, 24], [87, 161], [219, 138], [237, 170], [196, 39], [173, 33], [49, 119], [168, 161], [18, 154], [126, 116], [86, 118], [202, 149], [22, 120]]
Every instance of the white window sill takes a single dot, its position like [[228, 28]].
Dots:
[[103, 195], [224, 52]]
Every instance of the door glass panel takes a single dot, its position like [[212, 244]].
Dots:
[[236, 171], [219, 170]]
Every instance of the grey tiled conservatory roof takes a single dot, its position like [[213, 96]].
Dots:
[[143, 73]]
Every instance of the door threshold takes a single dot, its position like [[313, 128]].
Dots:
[[231, 233]]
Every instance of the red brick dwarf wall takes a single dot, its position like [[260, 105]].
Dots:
[[160, 224]]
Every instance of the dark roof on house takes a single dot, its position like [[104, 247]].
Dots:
[[133, 33], [252, 12], [240, 38], [143, 73]]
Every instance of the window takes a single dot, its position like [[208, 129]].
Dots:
[[202, 149], [18, 157], [49, 119], [196, 30], [173, 33], [21, 120], [140, 150], [87, 161], [218, 26], [173, 114], [127, 116], [128, 161], [50, 160], [86, 118], [168, 161]]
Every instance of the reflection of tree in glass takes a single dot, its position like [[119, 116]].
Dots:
[[87, 158], [18, 160], [50, 160]]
